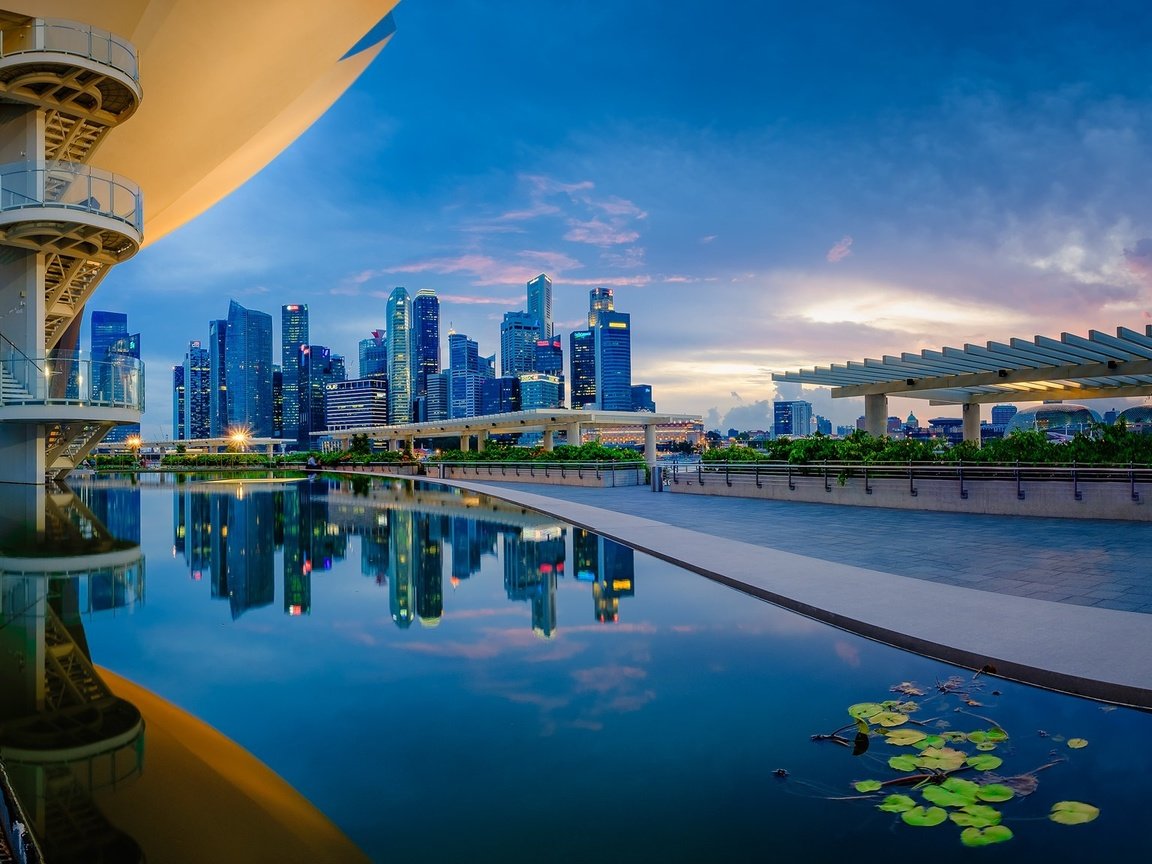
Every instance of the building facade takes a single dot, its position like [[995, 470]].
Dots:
[[582, 361], [293, 337], [248, 370], [426, 341], [792, 417], [218, 362], [198, 392], [519, 332], [540, 304], [400, 360], [356, 403], [642, 398]]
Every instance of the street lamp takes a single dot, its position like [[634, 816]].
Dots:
[[238, 440], [134, 443]]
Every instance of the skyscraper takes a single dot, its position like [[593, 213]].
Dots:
[[315, 373], [465, 388], [540, 304], [248, 370], [197, 392], [374, 356], [550, 361], [178, 407], [121, 361], [642, 398], [293, 336], [519, 332], [792, 417], [582, 358], [218, 368], [426, 342], [106, 328], [399, 357], [612, 332]]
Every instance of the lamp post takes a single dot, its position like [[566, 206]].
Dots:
[[134, 443]]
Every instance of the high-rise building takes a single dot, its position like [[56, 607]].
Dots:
[[106, 328], [519, 332], [426, 339], [197, 392], [1001, 414], [356, 403], [613, 338], [248, 370], [437, 404], [178, 407], [550, 360], [642, 398], [218, 366], [277, 402], [500, 395], [338, 370], [121, 362], [317, 371], [599, 300], [374, 356], [539, 390], [293, 336], [582, 359], [540, 304], [794, 418], [465, 388], [399, 357]]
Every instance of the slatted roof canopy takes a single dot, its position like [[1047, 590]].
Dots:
[[1071, 367]]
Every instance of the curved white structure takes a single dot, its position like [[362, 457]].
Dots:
[[229, 86]]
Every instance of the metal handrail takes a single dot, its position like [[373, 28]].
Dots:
[[59, 36], [963, 472], [72, 186], [67, 379]]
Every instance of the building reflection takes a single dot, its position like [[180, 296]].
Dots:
[[412, 537], [64, 736]]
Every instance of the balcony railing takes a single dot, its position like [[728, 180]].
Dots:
[[67, 378], [71, 186], [51, 35]]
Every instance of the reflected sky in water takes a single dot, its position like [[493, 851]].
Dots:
[[453, 678]]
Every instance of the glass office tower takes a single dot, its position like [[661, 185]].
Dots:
[[248, 370]]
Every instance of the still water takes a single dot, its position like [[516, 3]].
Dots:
[[438, 676]]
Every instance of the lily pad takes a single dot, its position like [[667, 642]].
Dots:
[[985, 836], [902, 763], [985, 762], [962, 787], [953, 735], [995, 793], [996, 734], [867, 785], [1077, 743], [1073, 812], [924, 817], [907, 707], [907, 688], [904, 737], [976, 816], [941, 758], [896, 804], [889, 718], [985, 746], [864, 710], [942, 797], [978, 737]]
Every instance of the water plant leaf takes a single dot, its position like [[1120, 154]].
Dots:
[[985, 746], [942, 797], [889, 718], [907, 688], [864, 710], [860, 744], [907, 707], [978, 737], [953, 735], [976, 815], [867, 785], [985, 762], [962, 787], [941, 758], [924, 817], [985, 836], [995, 792], [904, 737], [1021, 784], [996, 734], [1073, 812], [896, 804], [1077, 743], [902, 763]]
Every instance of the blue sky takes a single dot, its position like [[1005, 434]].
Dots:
[[765, 185]]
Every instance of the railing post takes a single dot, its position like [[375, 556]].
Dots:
[[1132, 481], [1076, 493], [700, 473], [960, 469], [1019, 488], [911, 481], [756, 475], [867, 487], [727, 476], [827, 487], [791, 485]]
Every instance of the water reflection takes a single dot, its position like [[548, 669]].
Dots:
[[65, 737], [413, 538]]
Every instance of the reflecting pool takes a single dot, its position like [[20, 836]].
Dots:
[[324, 669]]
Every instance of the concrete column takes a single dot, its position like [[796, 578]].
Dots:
[[876, 414], [650, 445], [548, 440], [409, 444], [465, 443], [573, 434], [481, 441], [971, 415]]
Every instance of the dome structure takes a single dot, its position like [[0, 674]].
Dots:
[[1061, 418], [1137, 414]]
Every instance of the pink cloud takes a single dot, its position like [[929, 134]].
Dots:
[[596, 232], [1139, 262], [841, 250], [471, 300]]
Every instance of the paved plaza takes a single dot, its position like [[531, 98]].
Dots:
[[1087, 562]]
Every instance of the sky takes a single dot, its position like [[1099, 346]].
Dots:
[[765, 185]]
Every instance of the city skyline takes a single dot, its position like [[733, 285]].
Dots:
[[832, 201]]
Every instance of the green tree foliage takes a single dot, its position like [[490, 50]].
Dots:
[[592, 451]]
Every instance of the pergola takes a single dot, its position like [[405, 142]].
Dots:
[[1043, 368], [546, 420]]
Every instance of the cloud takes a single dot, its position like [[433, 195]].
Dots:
[[599, 233], [488, 270], [736, 396], [841, 250], [708, 238], [1138, 260]]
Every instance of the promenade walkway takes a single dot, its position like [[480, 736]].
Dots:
[[1054, 602]]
